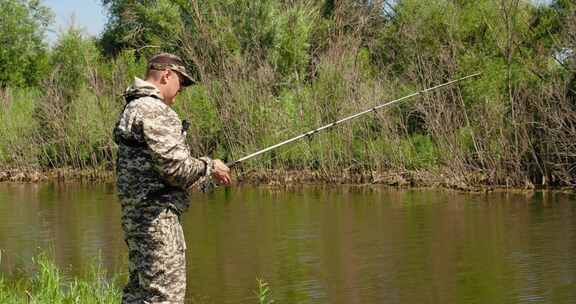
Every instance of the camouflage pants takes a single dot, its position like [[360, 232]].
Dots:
[[156, 254]]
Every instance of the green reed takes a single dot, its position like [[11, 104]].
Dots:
[[48, 285]]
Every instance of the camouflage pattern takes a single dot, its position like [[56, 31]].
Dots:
[[154, 168], [188, 80], [165, 61], [156, 255]]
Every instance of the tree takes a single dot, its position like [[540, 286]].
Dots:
[[140, 24], [23, 55], [72, 59]]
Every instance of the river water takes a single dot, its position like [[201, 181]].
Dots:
[[320, 244]]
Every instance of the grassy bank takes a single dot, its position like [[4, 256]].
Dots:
[[474, 181], [47, 285]]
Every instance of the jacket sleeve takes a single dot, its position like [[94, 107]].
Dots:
[[162, 130]]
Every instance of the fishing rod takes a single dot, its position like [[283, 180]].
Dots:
[[330, 125]]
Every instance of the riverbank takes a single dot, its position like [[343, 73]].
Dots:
[[64, 174], [49, 285], [472, 182]]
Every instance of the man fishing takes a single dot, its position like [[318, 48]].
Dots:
[[154, 169]]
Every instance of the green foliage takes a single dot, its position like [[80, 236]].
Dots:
[[49, 286], [197, 106], [253, 25], [263, 293], [427, 22], [23, 55], [465, 139], [72, 120], [18, 128], [419, 152], [123, 67], [87, 129], [292, 32], [147, 26], [255, 30], [329, 91], [72, 57], [272, 69]]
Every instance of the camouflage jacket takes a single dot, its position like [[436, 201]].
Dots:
[[154, 166]]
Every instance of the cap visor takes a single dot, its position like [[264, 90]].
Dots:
[[188, 81]]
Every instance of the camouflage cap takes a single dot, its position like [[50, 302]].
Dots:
[[165, 61]]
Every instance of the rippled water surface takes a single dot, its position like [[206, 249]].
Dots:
[[321, 245]]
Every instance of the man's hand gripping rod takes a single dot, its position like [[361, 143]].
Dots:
[[374, 109]]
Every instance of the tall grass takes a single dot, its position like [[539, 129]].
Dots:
[[18, 128], [37, 134], [47, 285]]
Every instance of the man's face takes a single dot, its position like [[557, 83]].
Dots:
[[173, 85]]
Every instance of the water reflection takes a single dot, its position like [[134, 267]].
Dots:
[[322, 245]]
